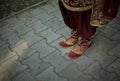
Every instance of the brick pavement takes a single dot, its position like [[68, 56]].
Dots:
[[29, 49]]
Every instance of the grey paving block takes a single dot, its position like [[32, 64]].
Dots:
[[13, 40], [21, 49], [16, 68], [115, 51], [35, 64], [65, 31], [57, 61], [44, 17], [24, 16], [108, 30], [49, 35], [5, 53], [13, 21], [115, 67], [55, 24], [114, 21], [117, 79], [98, 73], [21, 29], [37, 11], [116, 36], [31, 38], [30, 21], [2, 70], [99, 50], [73, 74], [43, 48], [116, 24], [4, 77], [38, 26], [25, 76], [49, 75], [2, 42], [48, 8], [84, 62], [12, 66], [58, 14], [5, 31]]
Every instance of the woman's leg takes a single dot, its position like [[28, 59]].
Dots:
[[85, 31], [68, 18]]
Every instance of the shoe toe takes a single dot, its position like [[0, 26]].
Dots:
[[71, 54]]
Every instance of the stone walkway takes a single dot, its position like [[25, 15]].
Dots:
[[29, 49]]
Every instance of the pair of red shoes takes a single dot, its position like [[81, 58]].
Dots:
[[78, 49]]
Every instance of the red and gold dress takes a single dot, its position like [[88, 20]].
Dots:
[[82, 15]]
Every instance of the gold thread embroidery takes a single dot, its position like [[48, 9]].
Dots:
[[83, 8]]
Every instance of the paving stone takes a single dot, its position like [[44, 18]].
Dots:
[[73, 74], [57, 61], [37, 11], [54, 3], [44, 17], [38, 26], [55, 24], [27, 54], [24, 16], [31, 38], [49, 75], [84, 62], [115, 51], [2, 42], [117, 79], [49, 35], [65, 31], [115, 67], [35, 64], [21, 29], [13, 21], [108, 31], [16, 68], [26, 76], [2, 70], [13, 40], [49, 8], [21, 47], [98, 73], [2, 23], [114, 21], [63, 51], [13, 66], [42, 47], [116, 36], [5, 53], [5, 31], [4, 77], [58, 15], [116, 24], [31, 20], [99, 50]]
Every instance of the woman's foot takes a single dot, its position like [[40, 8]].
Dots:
[[71, 40], [68, 42], [80, 48]]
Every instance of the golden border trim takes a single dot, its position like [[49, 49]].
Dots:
[[76, 8]]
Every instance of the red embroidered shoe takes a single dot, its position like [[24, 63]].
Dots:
[[70, 41], [79, 49]]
